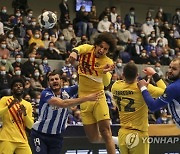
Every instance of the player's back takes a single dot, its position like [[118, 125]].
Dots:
[[133, 112]]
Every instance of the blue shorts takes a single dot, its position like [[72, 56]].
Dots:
[[42, 143]]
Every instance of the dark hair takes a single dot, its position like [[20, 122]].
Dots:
[[108, 38], [130, 71], [54, 72], [17, 79]]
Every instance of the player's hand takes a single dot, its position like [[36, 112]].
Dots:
[[22, 110], [142, 83], [149, 71], [108, 68], [95, 96]]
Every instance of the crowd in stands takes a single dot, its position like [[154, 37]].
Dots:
[[155, 42]]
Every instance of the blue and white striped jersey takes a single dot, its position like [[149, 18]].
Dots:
[[52, 120]]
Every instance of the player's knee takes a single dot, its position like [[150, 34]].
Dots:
[[106, 133]]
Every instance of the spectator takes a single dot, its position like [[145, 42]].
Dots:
[[18, 60], [130, 18], [69, 33], [44, 66], [3, 49], [103, 25], [7, 64]]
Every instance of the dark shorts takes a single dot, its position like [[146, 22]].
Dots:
[[42, 143]]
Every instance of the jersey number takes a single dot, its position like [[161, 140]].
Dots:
[[128, 107]]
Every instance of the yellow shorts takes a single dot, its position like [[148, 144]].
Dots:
[[94, 111], [7, 147], [133, 141]]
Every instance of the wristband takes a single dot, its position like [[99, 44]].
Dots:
[[156, 77], [143, 88]]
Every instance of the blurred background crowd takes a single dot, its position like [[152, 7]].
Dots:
[[155, 42]]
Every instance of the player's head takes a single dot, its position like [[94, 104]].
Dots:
[[174, 69], [103, 43], [130, 72], [17, 86], [54, 81]]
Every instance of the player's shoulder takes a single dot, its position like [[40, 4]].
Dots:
[[46, 92], [117, 83], [5, 98], [174, 85]]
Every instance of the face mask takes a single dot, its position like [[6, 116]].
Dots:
[[143, 54], [74, 76], [32, 59], [4, 61], [153, 35], [171, 34], [69, 65], [178, 13], [45, 61], [132, 13], [36, 74], [105, 19], [83, 10], [162, 35], [157, 68], [148, 22], [166, 25], [18, 72], [111, 31], [61, 38], [66, 86], [119, 65], [3, 72], [156, 23], [46, 36], [3, 46], [138, 43], [18, 14], [153, 44], [30, 14], [160, 44], [18, 60], [37, 36], [4, 11], [174, 28], [37, 100], [70, 28], [33, 23], [166, 55], [65, 0], [51, 48], [11, 35], [142, 35], [131, 30], [123, 30]]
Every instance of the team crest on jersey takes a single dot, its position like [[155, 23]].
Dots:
[[48, 94], [164, 95], [97, 64], [65, 95]]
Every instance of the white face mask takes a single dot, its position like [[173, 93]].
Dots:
[[74, 76], [18, 14], [171, 34], [156, 23], [131, 30], [32, 59], [3, 72], [105, 19], [4, 11], [138, 43], [45, 61], [160, 44], [18, 60], [70, 28], [51, 48], [36, 74], [148, 22], [11, 36], [162, 35], [66, 86], [166, 55], [33, 23], [153, 35], [153, 44], [4, 61], [18, 72], [46, 36], [61, 38], [30, 14], [143, 54], [142, 35], [123, 30], [157, 68], [37, 36], [3, 46], [119, 65]]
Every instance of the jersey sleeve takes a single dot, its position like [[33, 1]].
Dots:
[[45, 96], [73, 90], [3, 106], [157, 91], [82, 49], [155, 104]]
